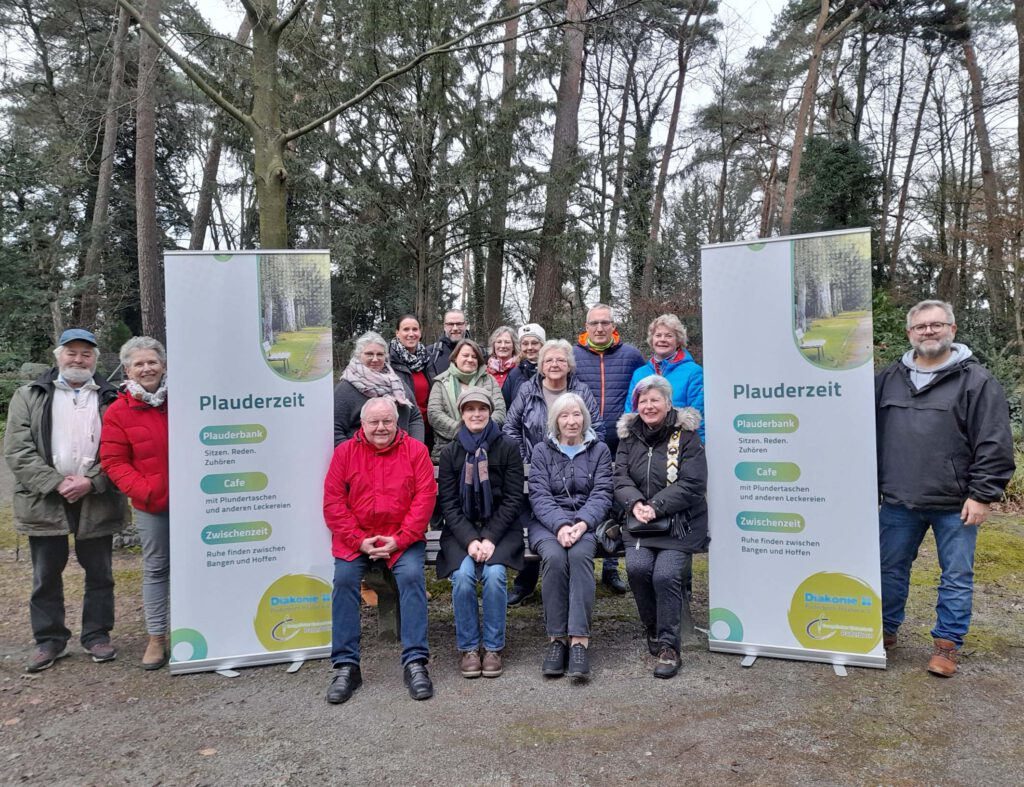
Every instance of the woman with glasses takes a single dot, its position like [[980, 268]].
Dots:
[[367, 376], [527, 421]]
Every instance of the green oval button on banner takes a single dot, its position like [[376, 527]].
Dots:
[[765, 423], [769, 522], [239, 531], [233, 434], [233, 483], [767, 471]]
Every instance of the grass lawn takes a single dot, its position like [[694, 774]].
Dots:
[[301, 345], [835, 331]]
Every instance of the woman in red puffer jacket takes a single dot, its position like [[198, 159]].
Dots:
[[133, 452]]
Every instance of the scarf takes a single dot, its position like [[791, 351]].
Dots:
[[674, 359], [499, 368], [652, 436], [415, 361], [475, 486], [455, 379], [155, 399], [601, 347], [371, 384]]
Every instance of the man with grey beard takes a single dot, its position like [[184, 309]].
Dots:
[[945, 454], [51, 445]]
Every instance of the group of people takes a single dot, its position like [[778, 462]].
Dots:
[[605, 436], [612, 443]]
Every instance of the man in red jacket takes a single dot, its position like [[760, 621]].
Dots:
[[378, 497]]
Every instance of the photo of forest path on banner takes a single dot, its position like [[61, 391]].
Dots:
[[792, 487], [250, 414]]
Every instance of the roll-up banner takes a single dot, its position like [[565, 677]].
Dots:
[[250, 409], [792, 491]]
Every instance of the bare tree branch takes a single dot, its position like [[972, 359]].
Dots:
[[214, 95], [286, 20]]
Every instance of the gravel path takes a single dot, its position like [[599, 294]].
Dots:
[[778, 722]]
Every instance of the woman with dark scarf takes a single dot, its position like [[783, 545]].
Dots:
[[410, 360], [480, 489], [466, 371], [661, 476], [369, 375]]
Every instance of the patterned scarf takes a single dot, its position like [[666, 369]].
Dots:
[[155, 399], [499, 369], [370, 383], [680, 354], [415, 361], [475, 487]]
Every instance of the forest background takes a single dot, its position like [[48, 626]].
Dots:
[[516, 160]]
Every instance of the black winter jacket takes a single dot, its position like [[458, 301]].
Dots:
[[945, 443], [641, 475], [502, 529]]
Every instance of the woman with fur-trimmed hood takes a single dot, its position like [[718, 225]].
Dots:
[[660, 480]]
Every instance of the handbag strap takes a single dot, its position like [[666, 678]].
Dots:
[[672, 464]]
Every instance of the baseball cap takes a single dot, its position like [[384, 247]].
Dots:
[[77, 335], [474, 394]]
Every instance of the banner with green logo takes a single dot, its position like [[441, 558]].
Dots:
[[792, 492], [251, 413]]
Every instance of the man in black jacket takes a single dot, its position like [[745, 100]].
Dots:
[[455, 329], [945, 454]]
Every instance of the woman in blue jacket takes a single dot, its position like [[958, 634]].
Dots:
[[571, 492], [666, 336]]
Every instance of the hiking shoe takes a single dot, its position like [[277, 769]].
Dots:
[[347, 678], [943, 660], [469, 664], [417, 680], [612, 581], [889, 639], [46, 656], [579, 661], [101, 651], [556, 658], [492, 666], [517, 595], [668, 663]]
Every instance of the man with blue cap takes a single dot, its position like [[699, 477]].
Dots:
[[52, 447]]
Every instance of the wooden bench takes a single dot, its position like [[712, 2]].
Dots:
[[818, 345], [283, 358]]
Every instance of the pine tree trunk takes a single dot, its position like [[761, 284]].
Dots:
[[547, 287], [89, 304], [147, 232]]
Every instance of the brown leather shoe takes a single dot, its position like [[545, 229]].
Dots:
[[469, 664], [156, 652], [889, 640], [943, 660], [492, 665]]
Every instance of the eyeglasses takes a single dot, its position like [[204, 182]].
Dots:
[[454, 324], [555, 362], [934, 327], [386, 422], [599, 323]]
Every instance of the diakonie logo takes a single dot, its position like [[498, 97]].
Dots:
[[294, 612], [837, 612]]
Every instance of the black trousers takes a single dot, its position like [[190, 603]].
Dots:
[[46, 606]]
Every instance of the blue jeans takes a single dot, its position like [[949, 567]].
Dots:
[[412, 604], [464, 604], [901, 531]]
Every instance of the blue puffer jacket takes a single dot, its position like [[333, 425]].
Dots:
[[687, 379], [566, 490], [608, 374], [526, 421]]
